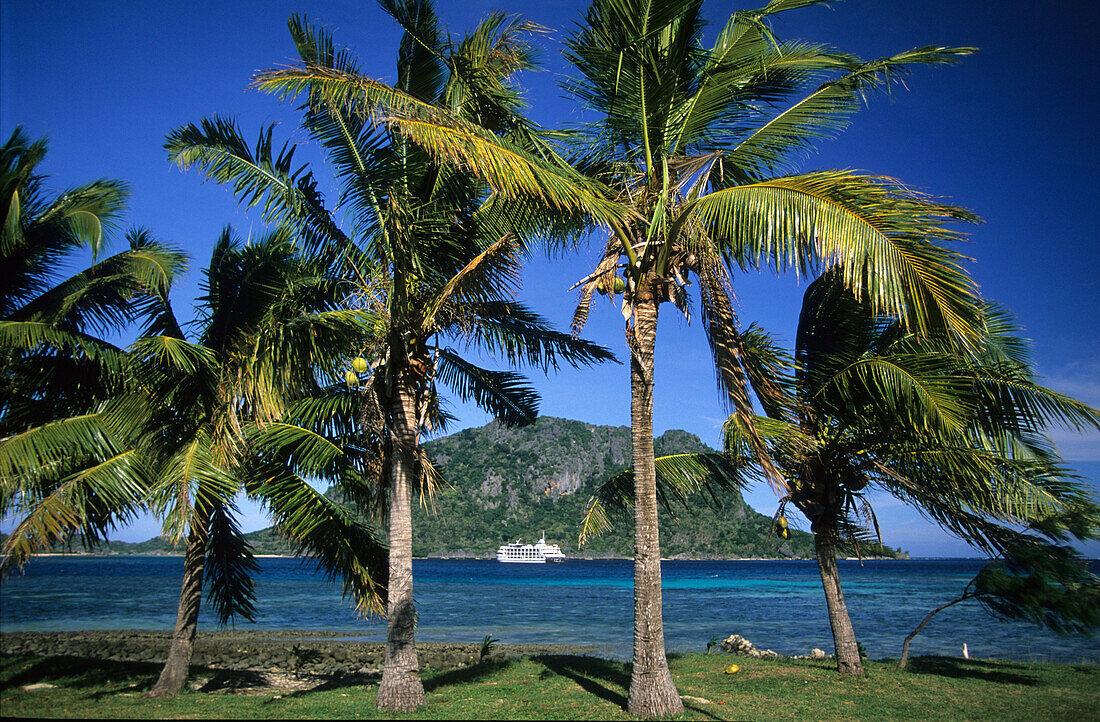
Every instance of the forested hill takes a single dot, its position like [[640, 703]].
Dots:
[[511, 483]]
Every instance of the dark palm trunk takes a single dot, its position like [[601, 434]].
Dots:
[[652, 692], [848, 662], [401, 689], [174, 674]]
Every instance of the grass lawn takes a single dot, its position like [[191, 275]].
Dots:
[[577, 687]]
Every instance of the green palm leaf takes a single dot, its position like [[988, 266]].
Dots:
[[506, 395], [679, 478], [521, 337], [824, 112], [92, 500], [884, 238], [229, 568], [341, 546]]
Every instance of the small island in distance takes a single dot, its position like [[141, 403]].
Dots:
[[506, 484]]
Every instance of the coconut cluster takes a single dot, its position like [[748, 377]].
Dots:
[[359, 365]]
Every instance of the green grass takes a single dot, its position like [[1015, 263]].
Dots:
[[575, 687]]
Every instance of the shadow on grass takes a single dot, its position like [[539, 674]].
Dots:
[[1000, 672], [329, 684], [224, 680], [84, 672], [603, 678], [466, 674]]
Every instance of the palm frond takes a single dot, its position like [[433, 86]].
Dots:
[[506, 168], [506, 395], [490, 274], [38, 336], [522, 337], [339, 544], [768, 368], [257, 175], [301, 449], [602, 277], [824, 112], [888, 241], [229, 568], [720, 325], [679, 477], [94, 499]]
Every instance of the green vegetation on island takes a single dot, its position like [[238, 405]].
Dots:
[[509, 483]]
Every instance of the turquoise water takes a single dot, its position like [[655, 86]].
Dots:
[[776, 604]]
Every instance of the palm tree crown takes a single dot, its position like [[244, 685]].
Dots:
[[58, 463]]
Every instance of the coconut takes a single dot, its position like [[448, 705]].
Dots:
[[352, 378], [619, 285], [781, 522], [732, 669], [360, 365]]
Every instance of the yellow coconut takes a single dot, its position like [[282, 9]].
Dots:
[[619, 284], [732, 669], [352, 379], [781, 522], [360, 365]]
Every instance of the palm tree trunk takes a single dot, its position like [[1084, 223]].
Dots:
[[905, 645], [848, 662], [401, 689], [178, 664], [652, 692]]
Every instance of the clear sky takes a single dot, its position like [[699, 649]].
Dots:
[[1009, 133]]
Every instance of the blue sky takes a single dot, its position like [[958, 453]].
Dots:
[[1008, 133]]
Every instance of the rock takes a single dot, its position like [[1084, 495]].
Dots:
[[816, 653], [736, 644], [37, 686]]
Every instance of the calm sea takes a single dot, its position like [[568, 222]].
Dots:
[[775, 604]]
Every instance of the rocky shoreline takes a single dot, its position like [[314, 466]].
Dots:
[[298, 652]]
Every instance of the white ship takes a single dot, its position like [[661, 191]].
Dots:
[[519, 553]]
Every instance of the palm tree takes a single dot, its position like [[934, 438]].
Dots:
[[246, 409], [435, 256], [1034, 580], [57, 369], [680, 168], [690, 139], [867, 406], [873, 407]]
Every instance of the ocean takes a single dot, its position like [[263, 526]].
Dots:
[[775, 604]]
